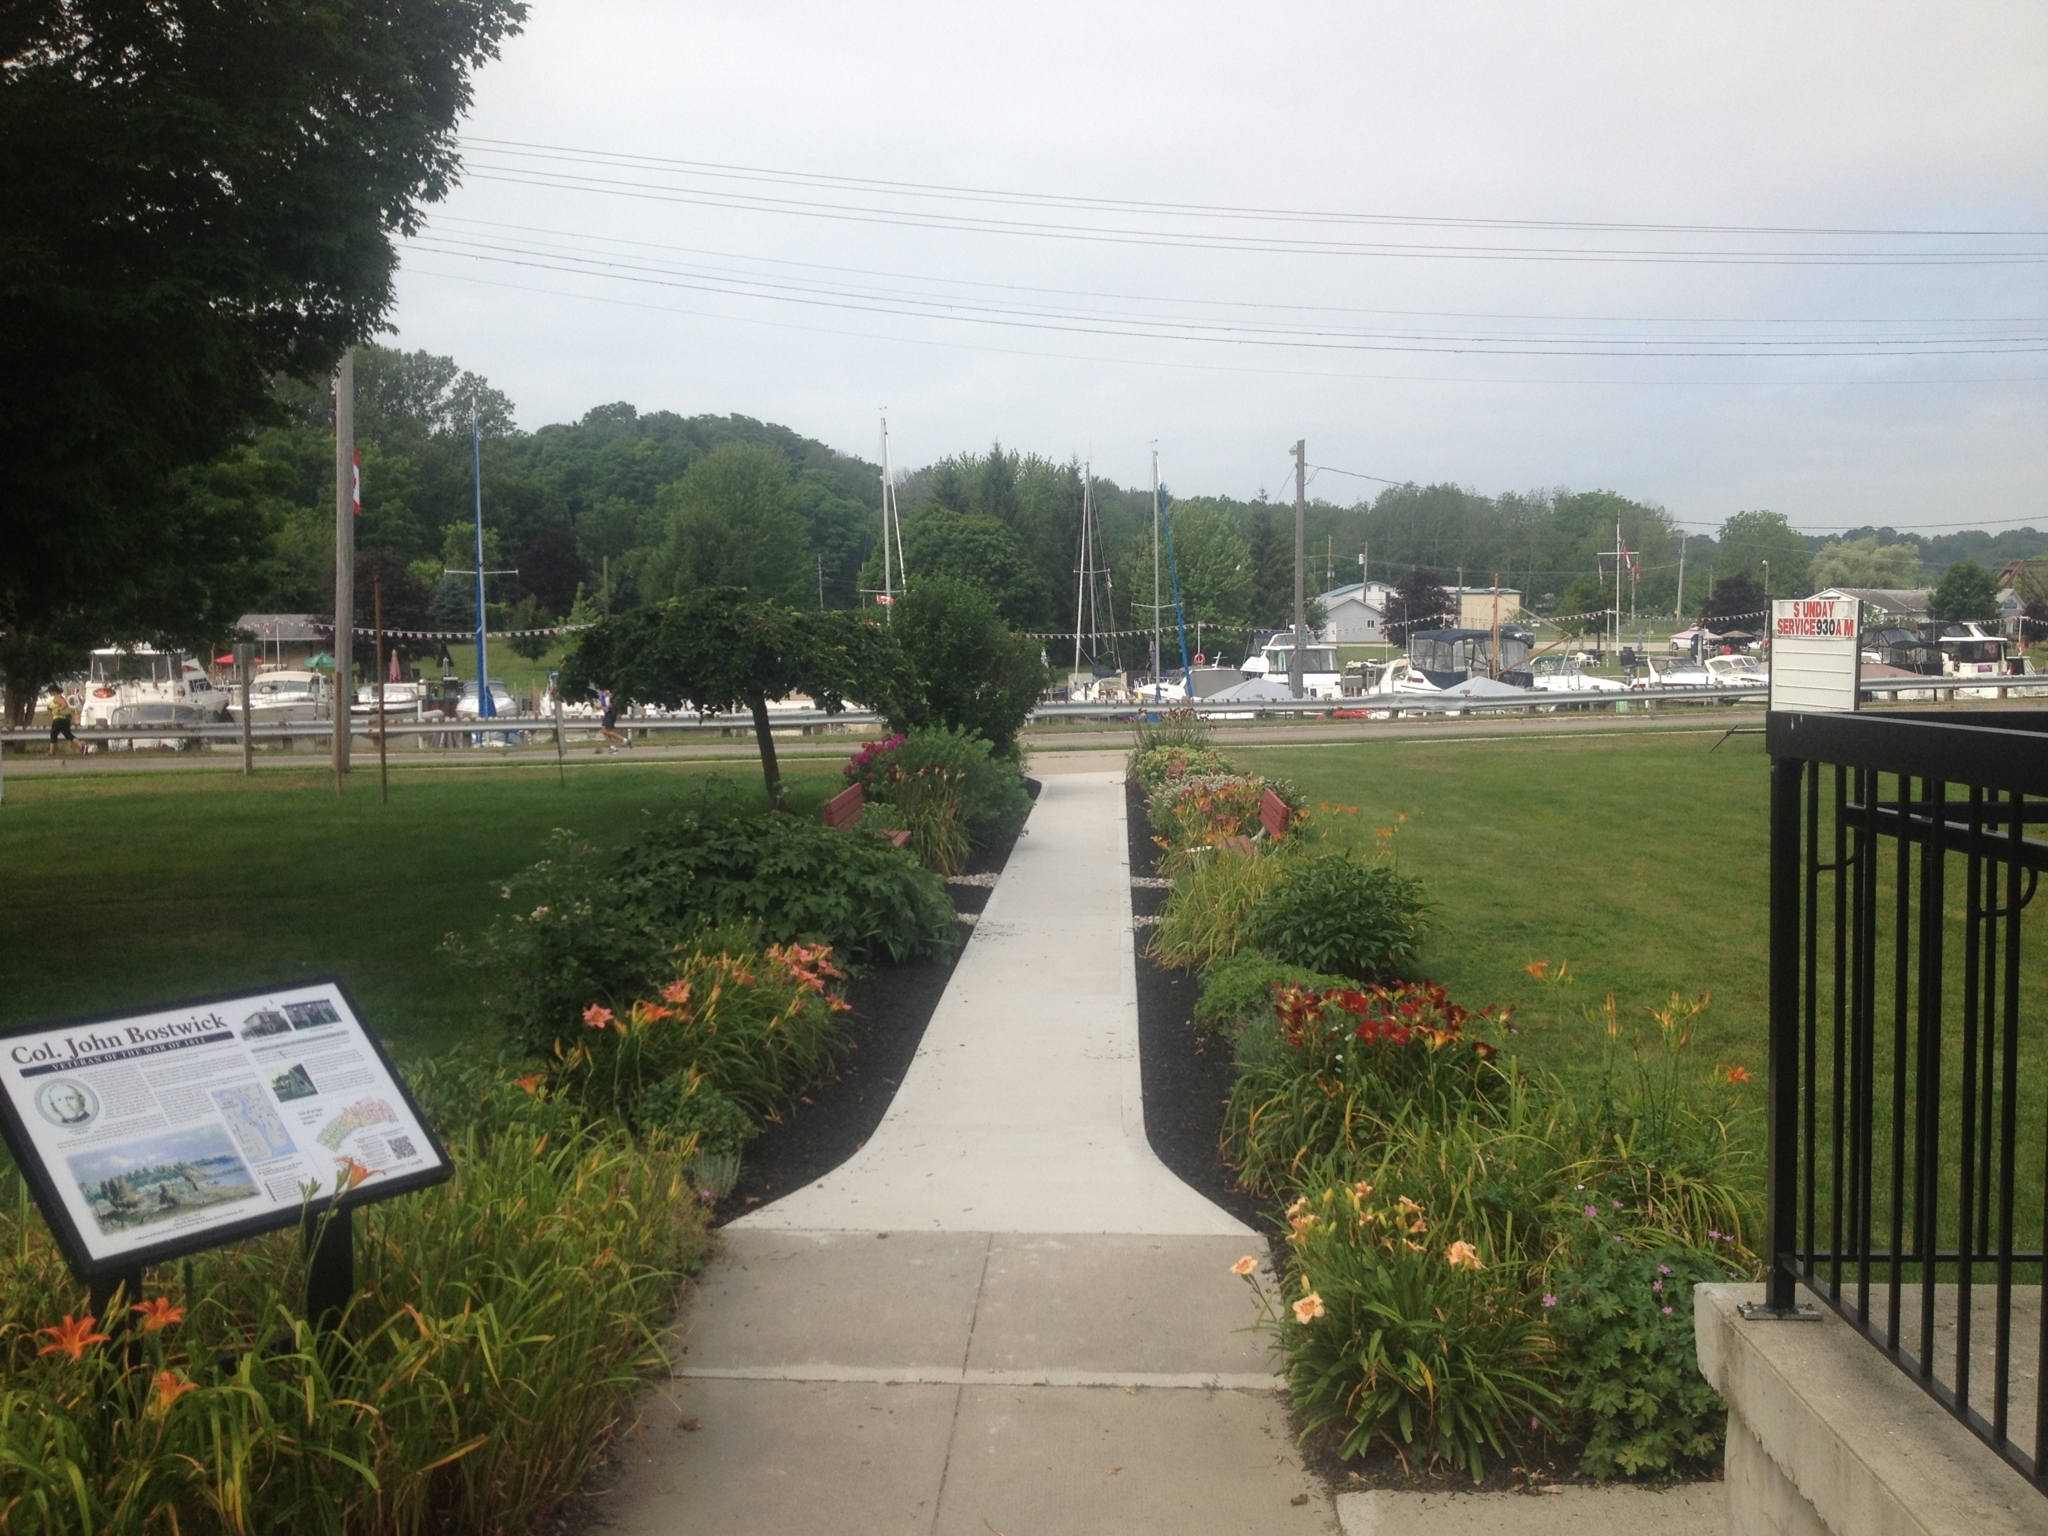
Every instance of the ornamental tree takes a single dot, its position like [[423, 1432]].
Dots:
[[714, 651]]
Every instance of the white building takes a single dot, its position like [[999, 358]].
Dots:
[[1357, 614]]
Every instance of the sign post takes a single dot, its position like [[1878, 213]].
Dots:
[[149, 1135], [1816, 654]]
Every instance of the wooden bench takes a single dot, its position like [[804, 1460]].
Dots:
[[1274, 820], [846, 808]]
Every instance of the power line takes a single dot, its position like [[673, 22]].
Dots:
[[1187, 366], [726, 170], [1182, 331], [584, 237]]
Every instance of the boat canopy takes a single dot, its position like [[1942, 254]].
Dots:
[[1468, 650]]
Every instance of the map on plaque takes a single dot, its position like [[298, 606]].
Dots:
[[153, 1134]]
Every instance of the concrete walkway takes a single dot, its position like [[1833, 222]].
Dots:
[[1003, 1314]]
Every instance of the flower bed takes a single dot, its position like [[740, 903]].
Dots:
[[1481, 1265]]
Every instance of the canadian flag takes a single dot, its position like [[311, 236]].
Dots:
[[355, 481]]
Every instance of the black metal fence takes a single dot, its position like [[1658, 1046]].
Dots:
[[1908, 1130]]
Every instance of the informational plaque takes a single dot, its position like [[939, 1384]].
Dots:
[[154, 1134], [1816, 654]]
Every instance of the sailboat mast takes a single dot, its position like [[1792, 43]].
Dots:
[[1156, 657], [888, 520], [1081, 572], [486, 706]]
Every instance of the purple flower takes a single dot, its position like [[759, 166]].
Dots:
[[1667, 1311], [1532, 1422], [1593, 1211], [1719, 1237], [1658, 1285], [1617, 1205], [1550, 1298], [1663, 1269]]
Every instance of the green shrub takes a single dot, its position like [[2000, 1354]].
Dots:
[[686, 1106], [759, 1027], [1335, 1073], [1238, 990], [974, 674], [1406, 1320], [993, 799], [798, 880], [1200, 810], [929, 804], [1630, 1372], [587, 926], [1205, 916], [1333, 910], [504, 1323]]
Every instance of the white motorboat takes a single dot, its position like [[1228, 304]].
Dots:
[[400, 699], [1659, 675], [286, 696], [1970, 650], [1738, 671], [1562, 674], [1321, 677], [143, 686]]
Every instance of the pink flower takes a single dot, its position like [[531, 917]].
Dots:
[[597, 1016], [1308, 1308], [1244, 1266], [1667, 1311], [1462, 1255], [1549, 1298], [1656, 1285], [1591, 1210]]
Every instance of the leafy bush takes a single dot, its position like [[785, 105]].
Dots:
[[1238, 991], [930, 805], [973, 673], [1200, 810], [1631, 1373], [1206, 914], [1406, 1320], [993, 799], [502, 1327], [588, 926], [756, 1027], [1335, 1071], [1332, 910], [798, 880]]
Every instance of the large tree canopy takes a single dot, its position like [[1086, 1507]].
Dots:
[[1966, 593], [199, 197]]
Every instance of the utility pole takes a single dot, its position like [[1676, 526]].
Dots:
[[347, 503], [1680, 613], [486, 706], [377, 673], [1300, 537], [890, 521]]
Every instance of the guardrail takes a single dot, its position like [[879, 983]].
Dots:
[[1904, 1148], [363, 727]]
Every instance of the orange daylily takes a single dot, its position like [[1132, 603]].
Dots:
[[71, 1336], [169, 1387], [597, 1016], [158, 1314]]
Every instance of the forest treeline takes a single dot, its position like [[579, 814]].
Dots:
[[623, 508]]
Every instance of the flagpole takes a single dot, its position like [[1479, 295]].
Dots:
[[486, 707]]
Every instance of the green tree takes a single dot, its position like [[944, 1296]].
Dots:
[[1736, 602], [728, 523], [1863, 563], [1750, 540], [1215, 564], [1966, 594], [713, 650], [1582, 606], [199, 198], [1419, 601], [970, 670], [974, 548]]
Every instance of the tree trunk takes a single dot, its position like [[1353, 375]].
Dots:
[[766, 738]]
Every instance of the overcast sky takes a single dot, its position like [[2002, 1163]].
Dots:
[[1214, 336]]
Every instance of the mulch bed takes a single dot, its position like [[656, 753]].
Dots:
[[1187, 1071], [892, 1004]]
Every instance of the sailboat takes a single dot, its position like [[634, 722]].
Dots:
[[1098, 674]]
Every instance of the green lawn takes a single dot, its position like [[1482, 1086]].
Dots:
[[1638, 858], [125, 889]]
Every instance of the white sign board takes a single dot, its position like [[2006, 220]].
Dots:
[[1816, 654], [154, 1134]]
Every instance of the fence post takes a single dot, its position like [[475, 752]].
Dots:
[[1781, 1234]]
